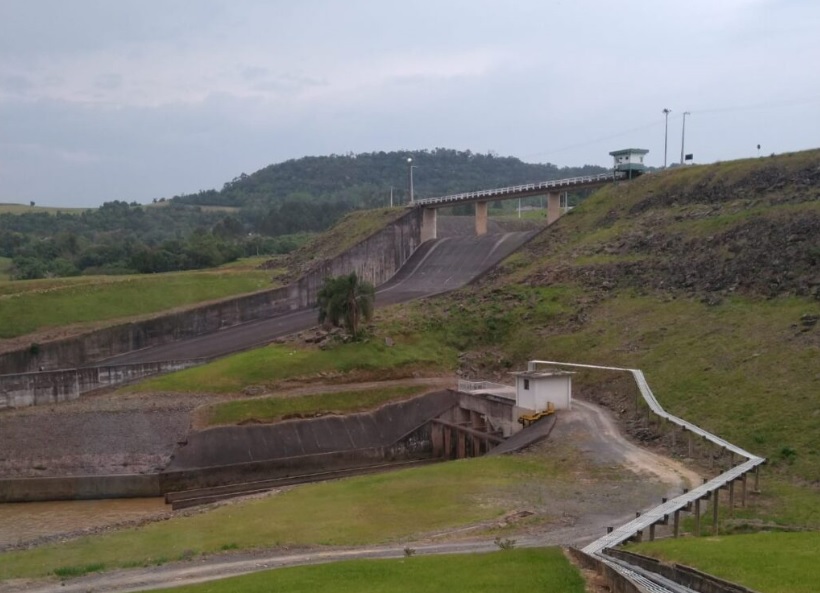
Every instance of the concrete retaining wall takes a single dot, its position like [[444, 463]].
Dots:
[[617, 582], [120, 339], [678, 573], [79, 488], [375, 259], [228, 445], [233, 454], [50, 387], [501, 412]]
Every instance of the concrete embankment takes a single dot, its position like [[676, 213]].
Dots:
[[229, 454], [375, 259], [51, 387]]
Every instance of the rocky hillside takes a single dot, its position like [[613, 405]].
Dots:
[[705, 277], [749, 227]]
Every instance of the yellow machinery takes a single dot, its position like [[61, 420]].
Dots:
[[528, 419]]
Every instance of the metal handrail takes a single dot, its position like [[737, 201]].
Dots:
[[657, 514]]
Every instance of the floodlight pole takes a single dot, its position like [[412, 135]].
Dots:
[[666, 113], [411, 166]]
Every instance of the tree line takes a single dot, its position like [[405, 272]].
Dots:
[[270, 211]]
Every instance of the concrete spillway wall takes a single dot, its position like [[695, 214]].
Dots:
[[229, 454], [51, 387], [239, 454], [374, 259]]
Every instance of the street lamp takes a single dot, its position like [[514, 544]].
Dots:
[[410, 167], [683, 135], [666, 113]]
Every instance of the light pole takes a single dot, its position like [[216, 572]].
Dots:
[[666, 113], [683, 135], [410, 167]]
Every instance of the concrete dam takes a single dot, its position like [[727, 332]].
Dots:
[[392, 259], [139, 349]]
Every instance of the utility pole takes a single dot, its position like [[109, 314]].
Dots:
[[666, 113], [411, 166], [391, 196], [683, 135]]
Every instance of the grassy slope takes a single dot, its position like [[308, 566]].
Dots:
[[510, 570], [770, 562], [27, 307], [34, 305], [271, 409], [611, 284], [352, 229], [342, 513], [274, 364]]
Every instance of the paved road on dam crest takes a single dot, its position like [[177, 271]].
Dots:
[[437, 266]]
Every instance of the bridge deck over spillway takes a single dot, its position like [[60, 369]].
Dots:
[[522, 191]]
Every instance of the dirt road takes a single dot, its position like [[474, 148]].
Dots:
[[587, 433]]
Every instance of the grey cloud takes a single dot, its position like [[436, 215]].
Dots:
[[15, 84], [108, 81]]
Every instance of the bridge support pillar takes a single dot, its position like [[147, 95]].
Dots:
[[553, 207], [429, 219], [437, 438], [480, 218]]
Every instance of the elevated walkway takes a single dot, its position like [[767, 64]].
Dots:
[[688, 501]]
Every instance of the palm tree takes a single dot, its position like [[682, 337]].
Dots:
[[346, 300]]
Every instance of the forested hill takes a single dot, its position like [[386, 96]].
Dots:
[[365, 180], [269, 211]]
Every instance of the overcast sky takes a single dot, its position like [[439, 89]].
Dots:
[[142, 99]]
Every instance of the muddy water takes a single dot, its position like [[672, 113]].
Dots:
[[24, 522]]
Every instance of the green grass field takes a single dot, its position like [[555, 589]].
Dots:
[[766, 562], [25, 208], [507, 570], [391, 507], [276, 363], [32, 305], [275, 408]]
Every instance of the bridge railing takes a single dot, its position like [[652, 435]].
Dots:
[[527, 187]]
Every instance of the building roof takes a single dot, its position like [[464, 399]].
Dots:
[[540, 374], [628, 151]]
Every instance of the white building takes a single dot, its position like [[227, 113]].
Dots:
[[629, 160], [534, 389]]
